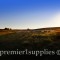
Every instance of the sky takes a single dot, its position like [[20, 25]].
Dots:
[[33, 14]]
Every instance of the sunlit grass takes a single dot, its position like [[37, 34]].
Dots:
[[25, 39]]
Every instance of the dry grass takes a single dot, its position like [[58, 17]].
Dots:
[[29, 40], [6, 32]]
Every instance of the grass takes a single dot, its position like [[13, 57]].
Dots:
[[28, 40]]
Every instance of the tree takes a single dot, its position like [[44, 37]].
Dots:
[[6, 29]]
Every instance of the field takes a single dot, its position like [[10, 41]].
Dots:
[[29, 39]]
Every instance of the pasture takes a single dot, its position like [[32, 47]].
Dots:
[[14, 39]]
